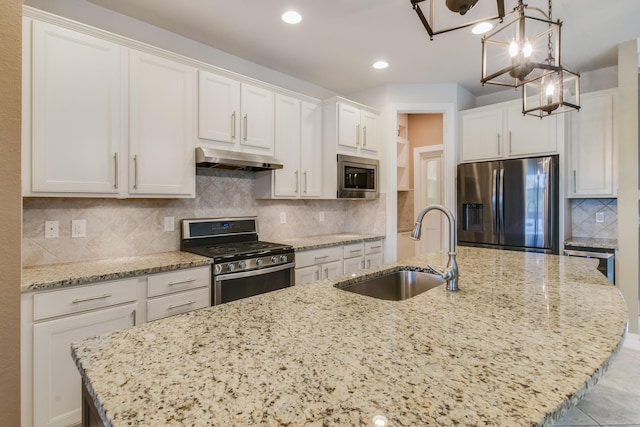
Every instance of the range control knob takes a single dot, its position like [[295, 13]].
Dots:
[[283, 258], [218, 268], [242, 265], [275, 259], [231, 267], [259, 262]]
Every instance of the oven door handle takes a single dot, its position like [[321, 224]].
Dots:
[[252, 273]]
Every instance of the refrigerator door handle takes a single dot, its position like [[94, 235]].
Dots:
[[501, 202], [494, 200]]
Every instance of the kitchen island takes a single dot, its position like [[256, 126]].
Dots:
[[522, 341]]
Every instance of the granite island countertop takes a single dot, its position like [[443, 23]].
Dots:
[[73, 273], [592, 242], [521, 342], [325, 240]]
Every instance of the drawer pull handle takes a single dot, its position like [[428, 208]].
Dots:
[[172, 307], [181, 281], [376, 247], [355, 251], [79, 300], [321, 257]]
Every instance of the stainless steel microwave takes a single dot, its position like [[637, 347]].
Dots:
[[357, 177]]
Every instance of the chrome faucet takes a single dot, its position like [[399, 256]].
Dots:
[[450, 274]]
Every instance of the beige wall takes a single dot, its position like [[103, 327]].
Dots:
[[424, 130], [10, 210]]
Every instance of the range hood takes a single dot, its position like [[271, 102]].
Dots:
[[211, 158]]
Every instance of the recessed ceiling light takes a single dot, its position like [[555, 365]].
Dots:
[[291, 17], [379, 65], [482, 27]]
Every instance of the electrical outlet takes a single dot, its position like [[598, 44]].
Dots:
[[283, 217], [321, 216], [600, 217], [51, 229], [78, 228], [169, 223]]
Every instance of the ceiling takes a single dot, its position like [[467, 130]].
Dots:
[[338, 40]]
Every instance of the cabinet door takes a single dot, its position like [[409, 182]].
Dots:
[[528, 135], [331, 270], [307, 274], [373, 260], [348, 125], [311, 150], [592, 146], [257, 119], [56, 381], [76, 117], [287, 147], [219, 109], [481, 134], [351, 265], [369, 131], [161, 99]]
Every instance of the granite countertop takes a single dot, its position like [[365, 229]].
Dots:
[[325, 240], [521, 342], [74, 273], [592, 242]]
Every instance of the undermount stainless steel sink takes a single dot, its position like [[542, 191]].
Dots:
[[396, 285]]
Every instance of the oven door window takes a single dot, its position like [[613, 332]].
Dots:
[[230, 287], [359, 178]]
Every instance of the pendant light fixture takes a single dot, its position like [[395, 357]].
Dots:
[[553, 93], [517, 52], [438, 18]]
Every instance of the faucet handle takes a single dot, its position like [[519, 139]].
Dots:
[[446, 274]]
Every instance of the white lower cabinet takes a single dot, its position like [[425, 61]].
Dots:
[[373, 254], [317, 264], [178, 292], [60, 318], [334, 261], [353, 255]]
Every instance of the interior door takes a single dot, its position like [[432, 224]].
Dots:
[[428, 191]]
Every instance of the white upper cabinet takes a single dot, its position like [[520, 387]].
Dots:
[[76, 139], [592, 146], [502, 131], [311, 149], [219, 109], [161, 140], [235, 116], [351, 127], [529, 135], [481, 134], [298, 146], [88, 136], [287, 179]]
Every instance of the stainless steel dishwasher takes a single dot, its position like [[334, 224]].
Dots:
[[606, 258]]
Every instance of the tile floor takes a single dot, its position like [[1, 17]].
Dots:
[[615, 401]]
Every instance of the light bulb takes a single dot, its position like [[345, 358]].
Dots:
[[513, 48], [527, 49], [550, 89]]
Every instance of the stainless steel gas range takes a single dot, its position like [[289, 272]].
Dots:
[[243, 266]]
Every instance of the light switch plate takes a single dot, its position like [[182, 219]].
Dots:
[[321, 216], [78, 228], [169, 223], [283, 217]]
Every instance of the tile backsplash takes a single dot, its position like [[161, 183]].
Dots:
[[136, 226], [583, 218]]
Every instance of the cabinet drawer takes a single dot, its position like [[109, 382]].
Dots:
[[318, 256], [353, 250], [178, 280], [177, 303], [82, 298], [373, 247]]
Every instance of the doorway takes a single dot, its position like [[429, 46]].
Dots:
[[420, 178]]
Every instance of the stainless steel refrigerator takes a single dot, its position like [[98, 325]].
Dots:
[[509, 204]]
